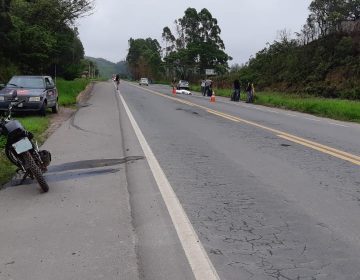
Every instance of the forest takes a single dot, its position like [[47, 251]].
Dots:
[[39, 37]]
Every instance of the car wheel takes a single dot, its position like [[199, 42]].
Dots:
[[42, 110], [55, 109]]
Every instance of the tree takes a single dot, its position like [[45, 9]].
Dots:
[[37, 35], [144, 57], [6, 44], [196, 46], [327, 15], [353, 9]]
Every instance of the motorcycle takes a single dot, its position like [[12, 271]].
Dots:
[[21, 149]]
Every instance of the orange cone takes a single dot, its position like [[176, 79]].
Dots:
[[173, 90], [212, 98]]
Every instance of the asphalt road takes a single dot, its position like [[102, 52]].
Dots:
[[271, 194], [265, 207]]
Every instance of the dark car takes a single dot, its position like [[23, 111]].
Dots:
[[182, 84], [38, 92]]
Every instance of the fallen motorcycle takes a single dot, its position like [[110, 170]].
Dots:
[[21, 148]]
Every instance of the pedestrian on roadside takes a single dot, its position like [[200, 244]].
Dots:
[[202, 85], [252, 92], [210, 88], [236, 92], [249, 93], [173, 83], [117, 81]]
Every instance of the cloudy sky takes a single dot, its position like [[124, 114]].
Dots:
[[246, 25]]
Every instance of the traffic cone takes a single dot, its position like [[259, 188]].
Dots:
[[173, 90], [212, 98]]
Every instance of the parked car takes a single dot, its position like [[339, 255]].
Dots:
[[38, 92], [144, 81], [182, 84]]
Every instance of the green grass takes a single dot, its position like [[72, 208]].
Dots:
[[338, 109], [68, 91]]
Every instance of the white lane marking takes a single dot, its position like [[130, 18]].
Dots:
[[198, 259]]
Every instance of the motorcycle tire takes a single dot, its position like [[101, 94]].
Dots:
[[35, 171], [11, 157]]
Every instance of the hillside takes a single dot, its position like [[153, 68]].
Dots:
[[327, 67], [108, 68]]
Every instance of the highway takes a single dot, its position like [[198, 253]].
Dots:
[[271, 193], [146, 184]]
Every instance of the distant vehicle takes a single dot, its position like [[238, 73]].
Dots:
[[144, 81], [37, 93], [182, 84]]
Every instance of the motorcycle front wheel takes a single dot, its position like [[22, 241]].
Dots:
[[35, 171]]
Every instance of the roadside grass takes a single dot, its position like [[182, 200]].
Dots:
[[68, 91], [337, 109]]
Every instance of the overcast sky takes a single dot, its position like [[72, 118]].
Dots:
[[246, 25]]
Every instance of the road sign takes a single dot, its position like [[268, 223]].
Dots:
[[210, 72]]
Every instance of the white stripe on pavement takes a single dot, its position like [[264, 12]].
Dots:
[[197, 257]]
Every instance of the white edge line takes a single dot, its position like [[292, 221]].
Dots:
[[197, 257]]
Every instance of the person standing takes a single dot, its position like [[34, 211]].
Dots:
[[117, 81], [202, 85], [236, 93], [173, 83], [248, 92], [252, 92], [210, 88]]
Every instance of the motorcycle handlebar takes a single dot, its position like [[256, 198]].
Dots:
[[18, 103], [11, 105]]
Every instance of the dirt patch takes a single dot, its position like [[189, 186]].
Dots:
[[65, 113]]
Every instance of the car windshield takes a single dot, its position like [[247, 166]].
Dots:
[[26, 82]]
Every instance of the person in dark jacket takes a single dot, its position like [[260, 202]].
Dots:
[[117, 81], [236, 92]]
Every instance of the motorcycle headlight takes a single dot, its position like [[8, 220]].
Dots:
[[34, 99], [2, 98]]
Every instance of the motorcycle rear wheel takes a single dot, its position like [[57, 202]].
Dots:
[[35, 171]]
